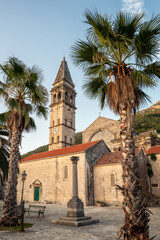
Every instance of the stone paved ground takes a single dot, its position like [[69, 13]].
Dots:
[[111, 218]]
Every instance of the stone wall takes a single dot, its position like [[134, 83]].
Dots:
[[50, 175], [92, 155], [102, 128], [109, 131], [155, 180], [103, 189]]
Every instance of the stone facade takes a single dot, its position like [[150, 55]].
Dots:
[[62, 110], [108, 174], [105, 191], [155, 180], [109, 130], [49, 176], [53, 175], [102, 128]]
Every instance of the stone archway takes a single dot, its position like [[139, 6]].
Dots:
[[104, 134]]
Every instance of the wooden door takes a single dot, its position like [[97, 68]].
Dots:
[[36, 193]]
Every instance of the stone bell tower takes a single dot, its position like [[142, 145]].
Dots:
[[62, 110]]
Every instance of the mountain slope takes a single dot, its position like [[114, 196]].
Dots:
[[148, 119]]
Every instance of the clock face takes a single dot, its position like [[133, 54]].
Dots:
[[56, 130]]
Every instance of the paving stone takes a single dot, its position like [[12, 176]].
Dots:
[[111, 219]]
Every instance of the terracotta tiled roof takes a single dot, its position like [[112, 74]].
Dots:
[[112, 157], [155, 149], [63, 151]]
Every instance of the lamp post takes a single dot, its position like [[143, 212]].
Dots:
[[24, 175]]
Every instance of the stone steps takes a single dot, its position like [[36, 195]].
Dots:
[[69, 222]]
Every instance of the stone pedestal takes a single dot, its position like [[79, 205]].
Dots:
[[75, 207]]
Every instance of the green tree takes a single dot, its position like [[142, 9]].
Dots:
[[117, 58], [23, 95], [4, 153]]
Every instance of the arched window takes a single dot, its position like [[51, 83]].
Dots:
[[66, 96], [59, 96], [65, 139], [54, 98], [70, 140], [65, 172], [112, 180], [71, 98], [52, 139], [57, 139]]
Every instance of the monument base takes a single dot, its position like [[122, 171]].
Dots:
[[75, 208], [76, 221]]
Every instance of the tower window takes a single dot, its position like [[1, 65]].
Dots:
[[65, 139], [71, 99], [66, 121], [53, 123], [58, 121], [65, 172], [70, 140], [59, 96], [54, 98], [112, 180], [52, 140], [71, 123], [66, 96], [57, 139]]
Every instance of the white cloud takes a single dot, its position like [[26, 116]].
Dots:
[[132, 6]]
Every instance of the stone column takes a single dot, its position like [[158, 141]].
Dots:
[[75, 207], [75, 177]]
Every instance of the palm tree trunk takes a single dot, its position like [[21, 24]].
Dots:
[[136, 216], [10, 199]]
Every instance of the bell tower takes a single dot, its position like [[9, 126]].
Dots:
[[62, 110]]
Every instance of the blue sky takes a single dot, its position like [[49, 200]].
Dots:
[[41, 32]]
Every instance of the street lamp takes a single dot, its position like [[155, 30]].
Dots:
[[24, 175]]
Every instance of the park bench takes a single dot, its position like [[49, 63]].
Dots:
[[35, 209]]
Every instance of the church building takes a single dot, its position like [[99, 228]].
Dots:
[[49, 174]]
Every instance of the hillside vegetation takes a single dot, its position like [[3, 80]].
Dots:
[[148, 119]]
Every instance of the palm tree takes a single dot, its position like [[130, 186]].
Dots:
[[117, 58], [23, 95], [4, 153]]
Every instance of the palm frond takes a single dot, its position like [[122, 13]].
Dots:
[[142, 79], [147, 41]]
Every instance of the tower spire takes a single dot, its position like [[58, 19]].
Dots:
[[63, 74]]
